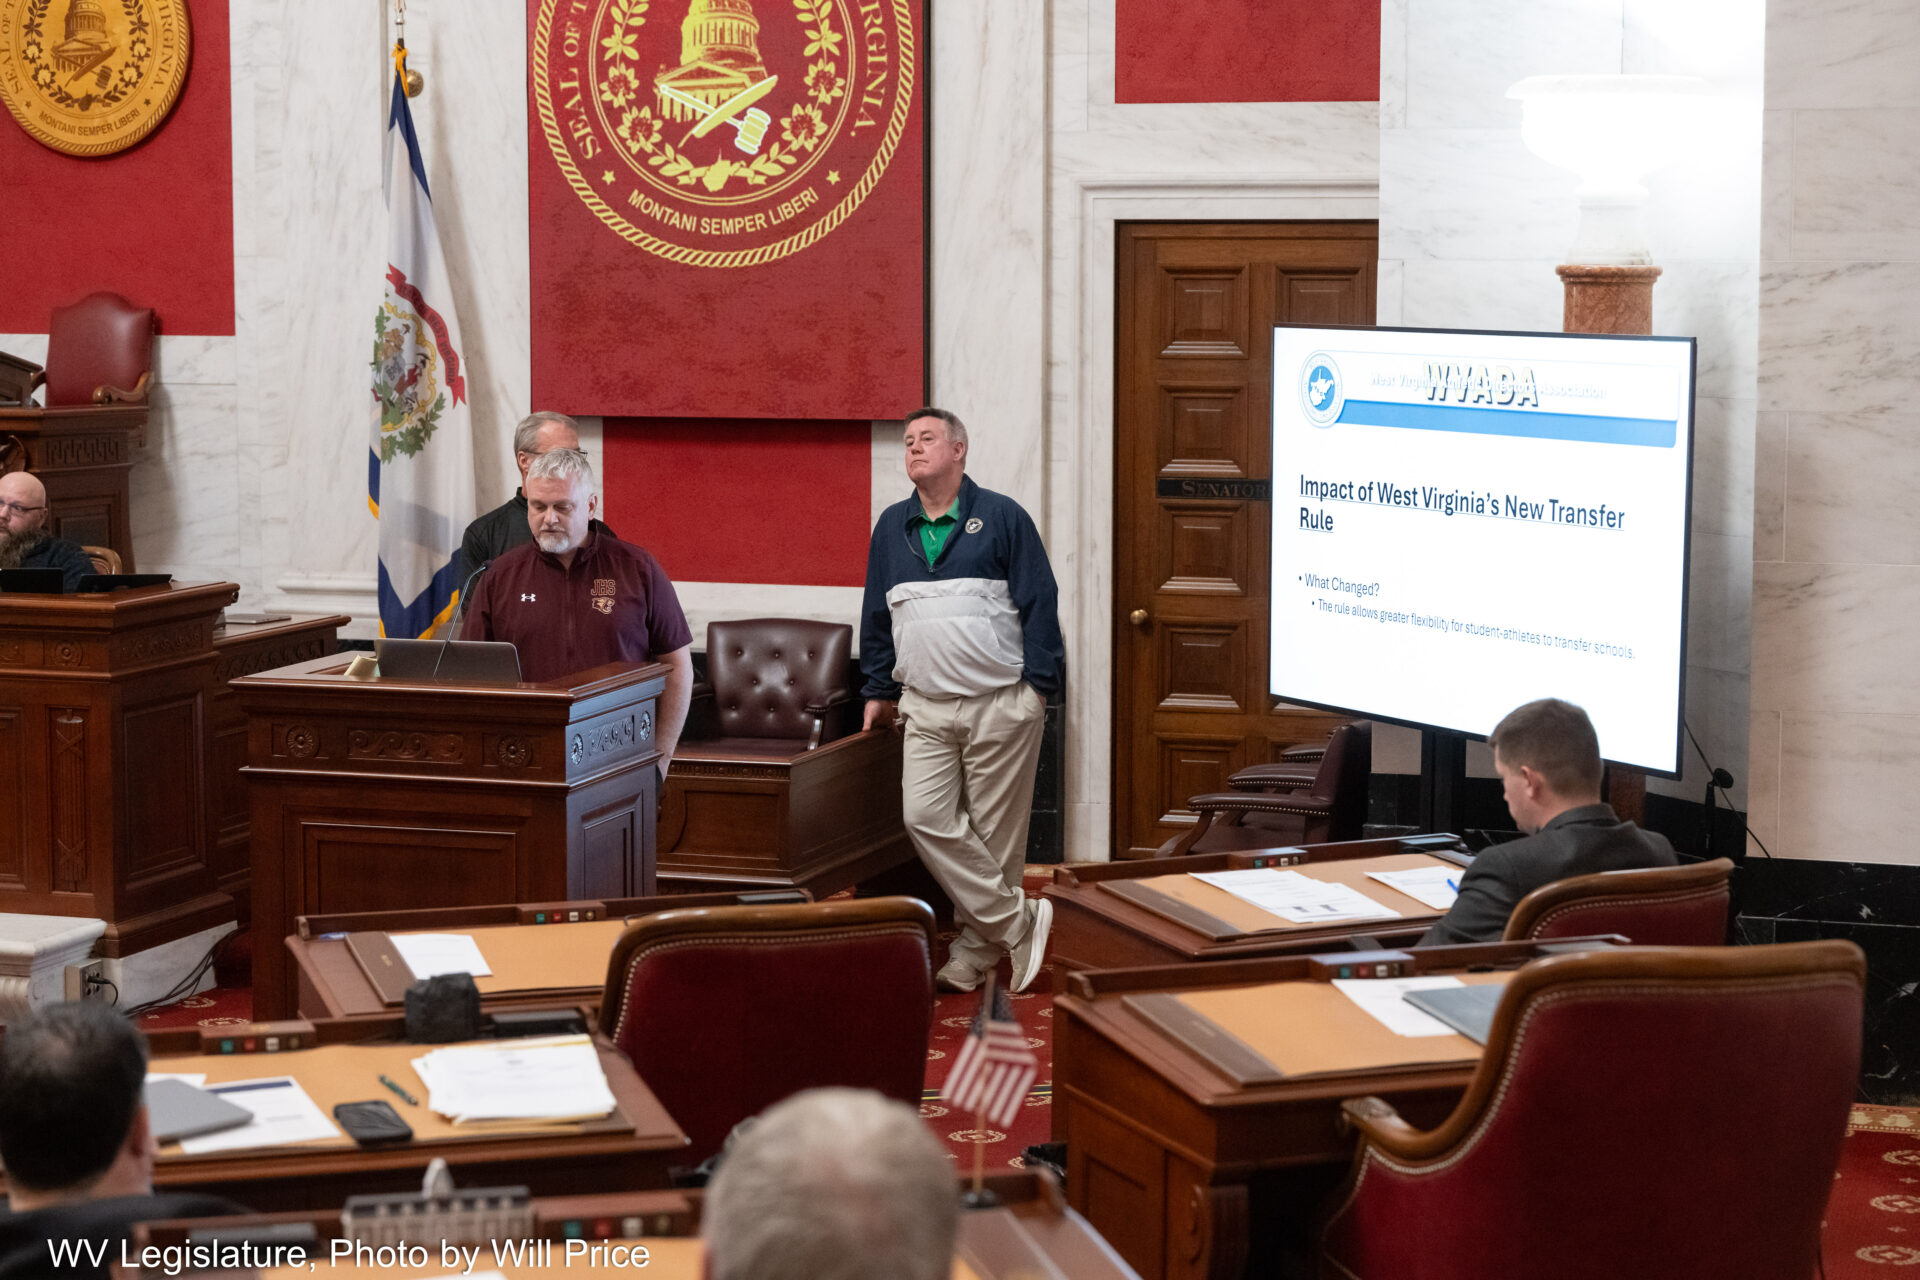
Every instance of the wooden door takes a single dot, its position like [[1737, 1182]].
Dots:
[[1192, 500]]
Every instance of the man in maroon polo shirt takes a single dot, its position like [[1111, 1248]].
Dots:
[[577, 597]]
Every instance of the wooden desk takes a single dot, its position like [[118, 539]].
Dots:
[[245, 649], [390, 794], [1171, 1159], [1035, 1220], [104, 713], [541, 954], [630, 1150], [83, 454], [1095, 927]]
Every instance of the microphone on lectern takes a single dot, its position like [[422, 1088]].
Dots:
[[459, 611]]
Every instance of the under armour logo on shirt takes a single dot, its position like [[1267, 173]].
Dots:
[[526, 596]]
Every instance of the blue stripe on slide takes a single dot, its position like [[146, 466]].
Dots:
[[1657, 433]]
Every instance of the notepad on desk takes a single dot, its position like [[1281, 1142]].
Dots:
[[283, 1114], [432, 954], [1436, 887], [1296, 898], [556, 1079]]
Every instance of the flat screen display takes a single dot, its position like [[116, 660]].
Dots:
[[1464, 521]]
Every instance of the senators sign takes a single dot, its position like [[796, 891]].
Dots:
[[717, 136]]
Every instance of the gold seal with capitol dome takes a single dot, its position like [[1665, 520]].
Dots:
[[724, 139], [91, 77]]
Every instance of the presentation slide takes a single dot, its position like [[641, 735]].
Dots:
[[1463, 522]]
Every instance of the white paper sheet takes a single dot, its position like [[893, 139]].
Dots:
[[429, 954], [282, 1114], [1381, 998], [1435, 886], [1295, 898], [549, 1078]]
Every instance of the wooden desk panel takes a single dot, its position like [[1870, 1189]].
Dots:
[[1166, 1154], [245, 649], [541, 954], [629, 1151], [104, 744], [393, 794], [1094, 928]]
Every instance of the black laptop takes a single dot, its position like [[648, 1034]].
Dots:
[[94, 583], [471, 661], [45, 582]]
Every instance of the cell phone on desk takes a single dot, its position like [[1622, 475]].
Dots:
[[373, 1123]]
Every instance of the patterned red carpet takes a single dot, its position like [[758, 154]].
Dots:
[[1873, 1220]]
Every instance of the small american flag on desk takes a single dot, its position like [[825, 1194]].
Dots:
[[996, 1066]]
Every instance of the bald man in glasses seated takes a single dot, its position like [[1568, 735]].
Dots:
[[26, 541]]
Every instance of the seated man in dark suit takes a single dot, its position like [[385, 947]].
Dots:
[[27, 541], [75, 1141], [1548, 759]]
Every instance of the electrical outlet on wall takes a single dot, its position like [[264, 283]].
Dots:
[[87, 981]]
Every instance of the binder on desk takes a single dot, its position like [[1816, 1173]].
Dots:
[[381, 962], [1468, 1010]]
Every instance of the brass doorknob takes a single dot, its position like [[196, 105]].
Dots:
[[1138, 617]]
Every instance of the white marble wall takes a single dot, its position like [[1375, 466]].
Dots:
[[1836, 559], [1472, 224]]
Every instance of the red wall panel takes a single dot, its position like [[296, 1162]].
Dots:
[[758, 501], [154, 223], [1247, 51]]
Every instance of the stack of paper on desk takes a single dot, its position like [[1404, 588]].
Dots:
[[555, 1078], [1295, 898], [432, 954]]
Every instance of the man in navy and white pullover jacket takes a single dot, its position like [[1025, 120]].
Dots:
[[960, 640]]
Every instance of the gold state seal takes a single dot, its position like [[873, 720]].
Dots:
[[714, 137], [91, 77]]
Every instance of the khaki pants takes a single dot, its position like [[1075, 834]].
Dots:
[[967, 784]]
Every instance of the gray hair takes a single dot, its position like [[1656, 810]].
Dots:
[[570, 465], [833, 1184], [956, 429], [526, 436]]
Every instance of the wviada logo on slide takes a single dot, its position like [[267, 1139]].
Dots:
[[1321, 395]]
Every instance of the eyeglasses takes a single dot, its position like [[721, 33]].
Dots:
[[16, 509]]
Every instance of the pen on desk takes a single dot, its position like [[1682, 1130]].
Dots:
[[405, 1097], [1451, 884]]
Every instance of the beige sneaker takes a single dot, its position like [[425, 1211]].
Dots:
[[1029, 957], [957, 975]]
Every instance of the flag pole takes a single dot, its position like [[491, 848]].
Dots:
[[979, 1197]]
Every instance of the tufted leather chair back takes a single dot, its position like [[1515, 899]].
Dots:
[[1342, 778], [1684, 906], [1659, 1113], [766, 671], [99, 346], [727, 1010]]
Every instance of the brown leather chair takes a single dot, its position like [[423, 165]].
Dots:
[[727, 1010], [1647, 1112], [773, 783], [99, 351], [1286, 802], [1684, 906], [105, 559]]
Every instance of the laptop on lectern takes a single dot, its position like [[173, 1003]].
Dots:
[[470, 661]]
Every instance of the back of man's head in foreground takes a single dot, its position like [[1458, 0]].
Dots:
[[1554, 739], [70, 1084], [833, 1184]]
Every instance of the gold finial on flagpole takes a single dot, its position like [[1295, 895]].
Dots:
[[416, 84]]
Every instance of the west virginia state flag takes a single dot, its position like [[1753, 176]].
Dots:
[[420, 480]]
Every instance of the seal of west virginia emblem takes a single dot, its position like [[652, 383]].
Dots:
[[91, 77], [716, 136]]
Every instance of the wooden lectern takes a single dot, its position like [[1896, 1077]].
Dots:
[[83, 454], [380, 795], [104, 736]]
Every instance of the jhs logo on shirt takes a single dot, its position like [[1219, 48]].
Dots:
[[602, 594]]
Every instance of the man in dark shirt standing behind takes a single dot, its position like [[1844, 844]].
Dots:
[[577, 597], [1548, 759]]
